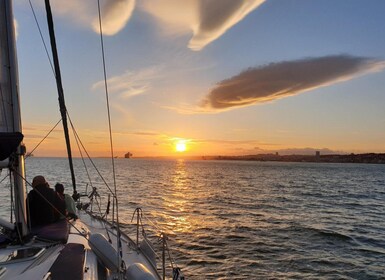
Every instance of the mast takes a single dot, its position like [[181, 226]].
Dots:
[[63, 109], [10, 117]]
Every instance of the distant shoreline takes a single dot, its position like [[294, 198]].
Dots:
[[375, 158]]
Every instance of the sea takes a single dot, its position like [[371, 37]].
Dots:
[[245, 219]]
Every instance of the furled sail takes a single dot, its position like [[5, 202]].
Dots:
[[9, 97], [10, 117]]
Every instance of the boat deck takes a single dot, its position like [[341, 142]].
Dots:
[[52, 258]]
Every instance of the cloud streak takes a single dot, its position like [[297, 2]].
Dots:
[[287, 78], [216, 18], [206, 19], [115, 13], [130, 84]]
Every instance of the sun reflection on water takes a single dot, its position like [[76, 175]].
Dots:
[[178, 200], [186, 201]]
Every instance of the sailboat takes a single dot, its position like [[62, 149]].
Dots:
[[86, 247]]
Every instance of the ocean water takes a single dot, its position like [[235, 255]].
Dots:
[[249, 220]]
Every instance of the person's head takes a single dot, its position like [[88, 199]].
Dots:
[[59, 188], [39, 180]]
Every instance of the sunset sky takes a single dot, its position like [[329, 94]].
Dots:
[[218, 77]]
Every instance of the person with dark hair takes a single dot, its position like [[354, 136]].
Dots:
[[43, 203], [69, 202]]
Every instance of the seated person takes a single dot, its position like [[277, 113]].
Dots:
[[43, 203], [69, 202]]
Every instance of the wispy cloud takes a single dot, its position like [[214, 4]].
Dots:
[[115, 13], [80, 12], [206, 19], [287, 78], [187, 109], [146, 133], [174, 16], [130, 84], [216, 18], [139, 133], [231, 142]]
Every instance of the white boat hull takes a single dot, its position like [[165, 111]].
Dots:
[[41, 265]]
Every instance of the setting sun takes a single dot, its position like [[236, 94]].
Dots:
[[180, 146]]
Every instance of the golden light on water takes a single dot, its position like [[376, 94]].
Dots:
[[179, 199], [177, 202]]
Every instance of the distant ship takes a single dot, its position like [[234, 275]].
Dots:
[[128, 155]]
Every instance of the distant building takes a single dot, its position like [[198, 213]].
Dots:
[[317, 155], [128, 155]]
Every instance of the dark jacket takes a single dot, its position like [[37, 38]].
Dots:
[[40, 211]]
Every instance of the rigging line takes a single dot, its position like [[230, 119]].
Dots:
[[30, 153], [28, 210], [172, 260], [115, 198], [60, 90], [99, 206], [105, 215], [92, 213], [153, 224], [157, 256], [42, 38], [11, 191], [18, 205], [92, 162], [107, 99], [6, 176], [93, 198], [79, 148], [14, 171]]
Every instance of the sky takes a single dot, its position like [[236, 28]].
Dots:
[[207, 77]]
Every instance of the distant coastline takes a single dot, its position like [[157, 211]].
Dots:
[[374, 158], [333, 158]]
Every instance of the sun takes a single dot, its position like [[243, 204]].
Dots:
[[180, 146]]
